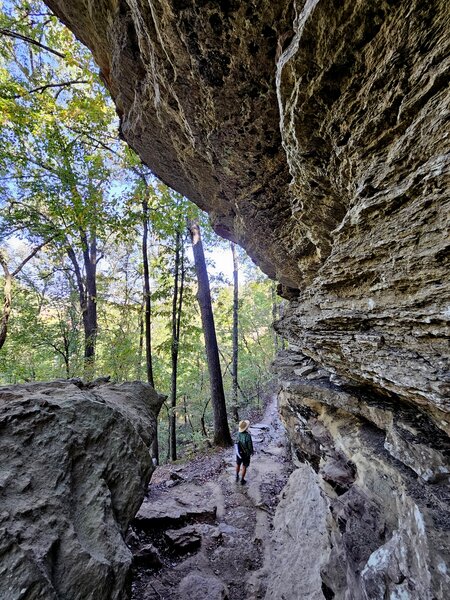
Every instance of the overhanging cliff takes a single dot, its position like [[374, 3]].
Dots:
[[316, 134]]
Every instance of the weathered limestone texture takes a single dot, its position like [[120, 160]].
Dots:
[[73, 471], [316, 134], [367, 515]]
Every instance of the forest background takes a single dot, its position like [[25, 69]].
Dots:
[[97, 265]]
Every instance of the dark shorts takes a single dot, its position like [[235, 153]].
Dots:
[[244, 460]]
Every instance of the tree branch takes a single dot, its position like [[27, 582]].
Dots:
[[48, 85], [29, 40], [30, 256]]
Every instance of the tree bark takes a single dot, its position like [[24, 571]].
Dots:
[[235, 331], [141, 342], [147, 297], [174, 353], [222, 435], [7, 300], [148, 320], [90, 266], [177, 305], [87, 294]]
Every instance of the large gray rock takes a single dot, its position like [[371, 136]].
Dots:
[[300, 542], [74, 467], [186, 503], [366, 515], [197, 586]]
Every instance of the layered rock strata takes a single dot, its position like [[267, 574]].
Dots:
[[74, 467], [366, 515], [315, 134]]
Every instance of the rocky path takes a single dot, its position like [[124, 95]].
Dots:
[[200, 535]]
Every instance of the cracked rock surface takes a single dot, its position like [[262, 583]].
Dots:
[[74, 467], [370, 494]]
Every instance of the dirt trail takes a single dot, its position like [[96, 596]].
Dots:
[[222, 529]]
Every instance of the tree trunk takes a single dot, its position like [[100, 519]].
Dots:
[[275, 315], [147, 298], [90, 265], [147, 320], [174, 353], [235, 331], [87, 294], [177, 305], [141, 342], [6, 302], [222, 435]]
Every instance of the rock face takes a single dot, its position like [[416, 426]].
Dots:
[[314, 134], [367, 510], [74, 467], [317, 135]]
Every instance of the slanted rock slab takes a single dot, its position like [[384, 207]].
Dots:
[[161, 512]]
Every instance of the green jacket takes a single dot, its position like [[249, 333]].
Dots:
[[245, 443]]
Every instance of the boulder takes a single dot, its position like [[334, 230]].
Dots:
[[74, 468], [184, 540], [147, 556], [198, 586], [186, 503]]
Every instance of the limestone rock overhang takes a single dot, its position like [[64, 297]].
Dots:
[[316, 135]]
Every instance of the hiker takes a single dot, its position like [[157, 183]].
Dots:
[[244, 449]]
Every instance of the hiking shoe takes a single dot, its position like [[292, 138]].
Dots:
[[243, 481], [237, 478]]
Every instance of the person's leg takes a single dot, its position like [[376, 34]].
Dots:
[[245, 465], [238, 467]]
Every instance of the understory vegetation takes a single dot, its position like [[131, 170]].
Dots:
[[96, 254]]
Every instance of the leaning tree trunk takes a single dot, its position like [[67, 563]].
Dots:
[[222, 435], [235, 332]]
